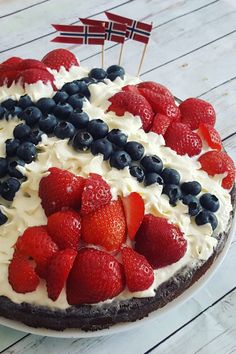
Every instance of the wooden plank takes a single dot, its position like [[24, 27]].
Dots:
[[10, 7], [9, 336]]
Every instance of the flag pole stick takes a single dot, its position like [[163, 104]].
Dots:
[[103, 56], [121, 52], [142, 59]]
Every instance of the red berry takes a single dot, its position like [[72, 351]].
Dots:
[[21, 274], [95, 276], [160, 124], [96, 194], [60, 190], [58, 58], [58, 270], [31, 76], [138, 272], [7, 77], [105, 227], [11, 63], [195, 111], [134, 211], [155, 87], [183, 140], [136, 104], [218, 162], [160, 242], [131, 88], [211, 136], [31, 64], [64, 227]]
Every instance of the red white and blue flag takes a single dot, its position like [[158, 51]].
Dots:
[[80, 34], [115, 32], [136, 30]]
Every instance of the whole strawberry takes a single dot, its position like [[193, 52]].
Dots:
[[31, 76], [155, 87], [58, 58], [183, 140], [96, 276], [195, 111], [160, 242], [211, 136], [60, 190], [160, 124]]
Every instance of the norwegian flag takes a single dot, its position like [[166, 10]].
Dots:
[[138, 31], [80, 34], [115, 32]]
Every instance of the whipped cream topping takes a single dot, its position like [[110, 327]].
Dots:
[[26, 208]]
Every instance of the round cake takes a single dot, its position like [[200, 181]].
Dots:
[[114, 198]]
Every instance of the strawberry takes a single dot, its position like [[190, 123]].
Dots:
[[183, 140], [138, 272], [11, 63], [60, 190], [36, 243], [218, 162], [105, 227], [31, 64], [96, 193], [58, 58], [195, 111], [64, 227], [160, 242], [7, 77], [21, 274], [133, 206], [31, 76], [95, 276], [155, 87], [131, 88], [123, 102], [161, 104], [58, 270], [211, 136], [160, 124]]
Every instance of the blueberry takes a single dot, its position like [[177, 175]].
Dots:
[[137, 172], [46, 105], [87, 80], [79, 119], [209, 202], [193, 204], [98, 74], [9, 104], [82, 140], [64, 130], [114, 68], [25, 101], [12, 146], [61, 97], [2, 112], [151, 178], [174, 193], [27, 152], [14, 112], [9, 188], [76, 100], [97, 128], [115, 74], [48, 123], [116, 136], [3, 167], [120, 159], [21, 131], [102, 146], [135, 150], [83, 88], [152, 163], [206, 216], [13, 170], [193, 187], [170, 176], [35, 136], [62, 110], [71, 88], [3, 218], [31, 115]]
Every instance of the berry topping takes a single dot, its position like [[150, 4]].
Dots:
[[64, 130], [11, 147], [211, 136], [62, 110], [13, 170], [193, 204], [193, 187], [97, 128], [79, 119], [155, 87], [8, 77], [47, 123], [133, 206], [98, 74], [137, 172], [170, 176], [152, 163], [120, 159], [31, 115], [102, 146], [3, 166], [11, 63], [31, 76], [35, 136], [46, 105], [70, 88], [31, 64], [135, 150], [117, 137], [206, 216], [115, 71], [3, 218], [76, 100], [209, 202], [9, 188], [160, 124], [2, 112], [25, 101], [27, 152], [58, 58], [174, 193], [9, 104], [151, 178], [82, 140], [21, 131], [61, 97]]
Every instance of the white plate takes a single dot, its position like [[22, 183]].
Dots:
[[120, 327]]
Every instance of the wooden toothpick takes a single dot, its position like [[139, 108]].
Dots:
[[142, 59], [121, 52], [103, 55]]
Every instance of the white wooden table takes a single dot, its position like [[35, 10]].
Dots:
[[193, 52]]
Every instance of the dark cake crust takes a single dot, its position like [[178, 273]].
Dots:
[[92, 318]]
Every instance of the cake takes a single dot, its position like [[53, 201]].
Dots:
[[114, 199]]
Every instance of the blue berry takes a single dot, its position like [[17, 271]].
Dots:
[[117, 137], [13, 170], [82, 140], [76, 100], [11, 147], [115, 71], [135, 150], [151, 178], [9, 188], [98, 74], [97, 128], [64, 130], [193, 187], [63, 110], [193, 204], [137, 172], [9, 104], [170, 176], [48, 123], [71, 88], [102, 146], [2, 112], [27, 152], [174, 193], [46, 105], [79, 119], [31, 115], [14, 112], [3, 218], [35, 136], [83, 88], [120, 159], [22, 131], [3, 167], [206, 216], [209, 202], [61, 97], [87, 80], [25, 101], [152, 163]]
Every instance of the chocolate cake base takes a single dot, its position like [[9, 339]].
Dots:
[[92, 318]]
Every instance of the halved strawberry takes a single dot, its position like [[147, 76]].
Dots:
[[155, 87], [58, 58], [31, 76], [31, 64], [211, 136], [131, 88], [7, 77], [160, 124], [134, 211], [11, 63]]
